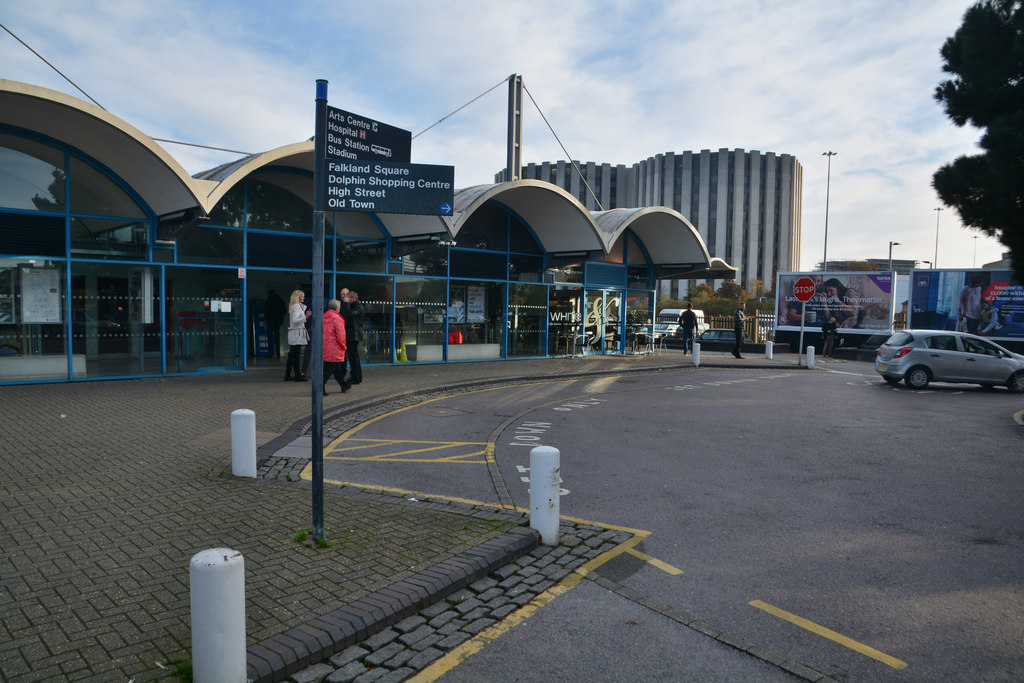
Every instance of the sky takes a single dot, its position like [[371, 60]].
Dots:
[[618, 82]]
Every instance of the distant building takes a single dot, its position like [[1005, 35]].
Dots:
[[745, 205]]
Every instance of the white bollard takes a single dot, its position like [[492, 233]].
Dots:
[[810, 357], [769, 348], [217, 588], [696, 353], [243, 443], [545, 488]]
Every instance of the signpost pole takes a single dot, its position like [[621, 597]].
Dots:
[[316, 343]]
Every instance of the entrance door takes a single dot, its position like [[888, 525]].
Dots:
[[603, 321]]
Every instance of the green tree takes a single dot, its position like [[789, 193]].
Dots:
[[986, 58], [731, 290]]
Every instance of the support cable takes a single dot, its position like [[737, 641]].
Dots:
[[52, 67], [443, 119], [568, 156]]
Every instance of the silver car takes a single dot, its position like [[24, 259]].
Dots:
[[922, 356]]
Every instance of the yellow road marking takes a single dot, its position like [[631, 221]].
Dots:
[[1018, 417], [830, 634], [469, 648], [663, 566], [340, 446]]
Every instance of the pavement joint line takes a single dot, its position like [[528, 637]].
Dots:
[[726, 638]]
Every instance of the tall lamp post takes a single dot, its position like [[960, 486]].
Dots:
[[828, 184], [974, 264], [935, 263], [891, 245]]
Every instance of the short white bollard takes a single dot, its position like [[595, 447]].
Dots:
[[810, 357], [696, 353], [243, 443], [217, 589], [769, 348], [545, 488]]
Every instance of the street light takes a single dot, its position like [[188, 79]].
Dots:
[[928, 262], [891, 245], [828, 183], [936, 261]]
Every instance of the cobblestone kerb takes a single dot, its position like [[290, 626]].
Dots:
[[398, 646], [313, 642]]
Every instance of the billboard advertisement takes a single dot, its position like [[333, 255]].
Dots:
[[861, 301], [985, 302]]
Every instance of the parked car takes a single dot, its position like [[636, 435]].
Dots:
[[722, 334], [922, 356]]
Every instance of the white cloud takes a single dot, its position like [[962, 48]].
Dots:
[[619, 81]]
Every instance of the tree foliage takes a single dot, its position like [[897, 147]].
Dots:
[[986, 58]]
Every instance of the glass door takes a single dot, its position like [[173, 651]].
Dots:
[[603, 321]]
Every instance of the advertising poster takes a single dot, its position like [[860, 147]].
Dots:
[[989, 303], [860, 301]]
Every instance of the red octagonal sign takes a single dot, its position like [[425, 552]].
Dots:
[[804, 289]]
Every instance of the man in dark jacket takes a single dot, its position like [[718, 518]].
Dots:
[[739, 326], [688, 321], [352, 312]]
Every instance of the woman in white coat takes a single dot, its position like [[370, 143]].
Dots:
[[297, 338]]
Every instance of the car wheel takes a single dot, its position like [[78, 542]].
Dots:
[[891, 380], [1016, 383], [917, 377]]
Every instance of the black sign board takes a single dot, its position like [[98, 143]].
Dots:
[[383, 187], [357, 138]]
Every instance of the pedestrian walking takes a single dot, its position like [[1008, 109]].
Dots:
[[334, 346], [739, 325], [688, 321]]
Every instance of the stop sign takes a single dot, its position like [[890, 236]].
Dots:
[[804, 289]]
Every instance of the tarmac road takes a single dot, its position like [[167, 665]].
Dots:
[[868, 532]]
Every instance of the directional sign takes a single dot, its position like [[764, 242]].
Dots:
[[356, 138], [381, 187], [804, 289]]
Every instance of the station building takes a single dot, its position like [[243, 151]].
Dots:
[[116, 263], [746, 204]]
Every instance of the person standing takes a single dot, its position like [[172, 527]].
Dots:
[[688, 321], [352, 312], [273, 312], [828, 331], [297, 335], [739, 323], [334, 346]]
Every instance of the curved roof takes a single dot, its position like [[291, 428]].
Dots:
[[560, 222], [128, 152], [297, 155], [674, 245]]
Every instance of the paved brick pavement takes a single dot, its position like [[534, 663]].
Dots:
[[107, 489]]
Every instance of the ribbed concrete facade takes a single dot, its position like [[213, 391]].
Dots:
[[746, 205]]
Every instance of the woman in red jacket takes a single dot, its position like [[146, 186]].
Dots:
[[334, 346]]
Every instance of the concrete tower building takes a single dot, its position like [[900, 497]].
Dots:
[[745, 205]]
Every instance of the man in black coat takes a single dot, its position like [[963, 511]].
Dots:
[[352, 312], [739, 326]]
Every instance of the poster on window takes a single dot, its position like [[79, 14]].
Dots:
[[476, 304], [859, 301], [40, 295], [985, 302]]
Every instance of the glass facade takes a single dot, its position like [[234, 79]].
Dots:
[[94, 285]]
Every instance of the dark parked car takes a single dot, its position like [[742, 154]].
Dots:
[[722, 334], [922, 356]]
